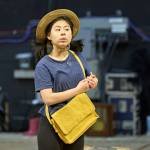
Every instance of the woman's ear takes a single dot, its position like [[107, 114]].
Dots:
[[49, 37]]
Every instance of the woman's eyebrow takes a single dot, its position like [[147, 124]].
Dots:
[[66, 26], [57, 26]]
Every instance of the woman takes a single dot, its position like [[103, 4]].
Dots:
[[58, 76]]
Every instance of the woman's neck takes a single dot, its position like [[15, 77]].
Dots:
[[59, 54]]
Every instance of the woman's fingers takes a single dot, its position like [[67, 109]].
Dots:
[[92, 84], [92, 80]]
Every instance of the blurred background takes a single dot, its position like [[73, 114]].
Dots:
[[116, 36]]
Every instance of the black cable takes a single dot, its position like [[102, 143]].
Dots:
[[112, 44]]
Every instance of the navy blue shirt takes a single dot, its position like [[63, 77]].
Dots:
[[58, 75]]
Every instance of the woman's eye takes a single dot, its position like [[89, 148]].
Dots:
[[67, 29], [57, 29]]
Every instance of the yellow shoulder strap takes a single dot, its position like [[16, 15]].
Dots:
[[83, 70], [47, 114], [78, 60]]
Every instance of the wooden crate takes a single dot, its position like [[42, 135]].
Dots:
[[104, 125]]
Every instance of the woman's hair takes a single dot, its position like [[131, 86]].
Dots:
[[45, 47]]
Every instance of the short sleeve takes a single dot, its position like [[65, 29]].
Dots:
[[42, 78]]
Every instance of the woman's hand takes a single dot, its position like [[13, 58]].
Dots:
[[92, 81], [83, 86], [89, 82]]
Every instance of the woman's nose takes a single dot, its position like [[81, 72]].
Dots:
[[63, 32]]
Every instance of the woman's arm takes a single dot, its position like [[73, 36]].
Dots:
[[51, 98]]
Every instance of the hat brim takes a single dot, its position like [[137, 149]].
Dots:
[[49, 17]]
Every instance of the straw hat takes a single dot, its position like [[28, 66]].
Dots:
[[49, 17]]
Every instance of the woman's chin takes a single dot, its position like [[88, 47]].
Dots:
[[62, 46]]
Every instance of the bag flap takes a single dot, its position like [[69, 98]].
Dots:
[[73, 113]]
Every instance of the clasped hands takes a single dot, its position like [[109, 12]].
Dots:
[[90, 82]]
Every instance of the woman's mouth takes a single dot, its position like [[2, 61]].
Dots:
[[63, 39]]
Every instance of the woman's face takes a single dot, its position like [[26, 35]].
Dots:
[[61, 34]]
